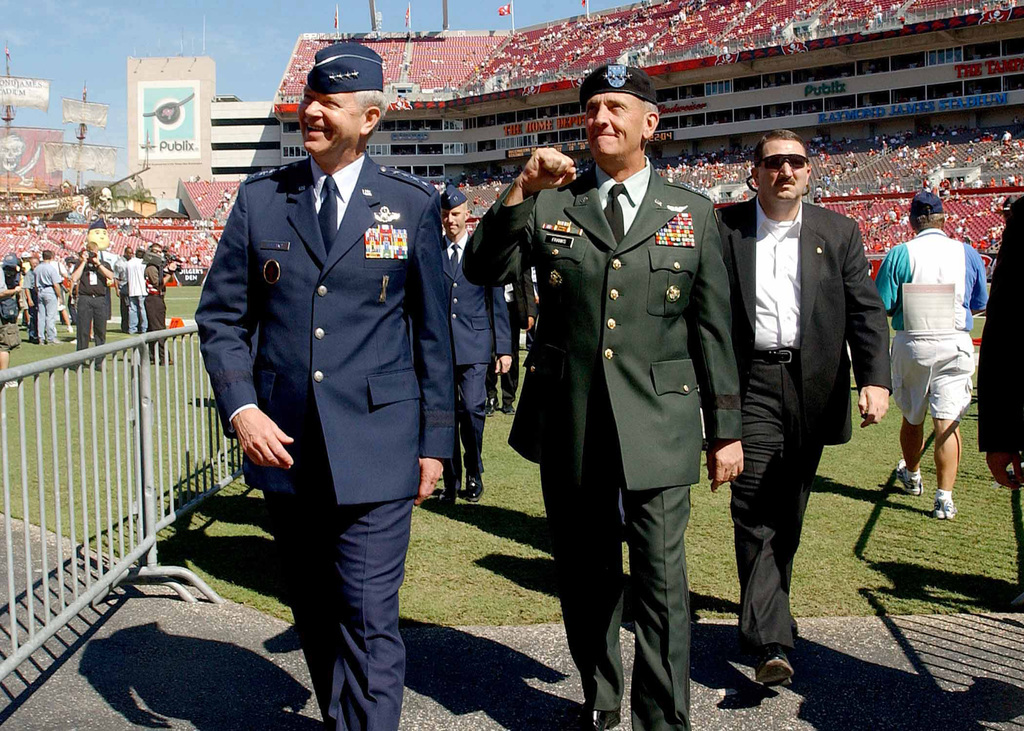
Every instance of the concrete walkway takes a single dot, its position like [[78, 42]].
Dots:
[[147, 659]]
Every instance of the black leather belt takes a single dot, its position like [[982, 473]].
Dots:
[[775, 357]]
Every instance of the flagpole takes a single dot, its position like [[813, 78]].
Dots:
[[588, 9], [513, 14]]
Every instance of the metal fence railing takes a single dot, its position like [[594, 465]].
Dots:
[[101, 449]]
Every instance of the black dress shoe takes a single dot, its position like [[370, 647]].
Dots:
[[474, 489], [447, 495], [600, 720], [490, 406], [508, 409], [773, 667]]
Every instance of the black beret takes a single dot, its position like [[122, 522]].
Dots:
[[345, 67], [616, 77]]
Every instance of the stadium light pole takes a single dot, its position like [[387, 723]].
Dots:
[[444, 8], [373, 17]]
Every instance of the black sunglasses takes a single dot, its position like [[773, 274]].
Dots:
[[775, 162]]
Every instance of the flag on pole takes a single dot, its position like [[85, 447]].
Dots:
[[408, 8], [335, 17], [505, 9], [7, 52]]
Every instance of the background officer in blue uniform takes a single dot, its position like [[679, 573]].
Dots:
[[479, 326], [344, 405]]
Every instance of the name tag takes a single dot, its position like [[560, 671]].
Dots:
[[275, 245], [386, 242], [565, 241], [93, 279]]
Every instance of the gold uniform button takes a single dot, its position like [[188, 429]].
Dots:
[[554, 252], [319, 333], [614, 294], [533, 369], [675, 265], [611, 323], [686, 388], [673, 293], [318, 376], [608, 353], [321, 290], [616, 264]]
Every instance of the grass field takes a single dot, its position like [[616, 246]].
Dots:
[[866, 548]]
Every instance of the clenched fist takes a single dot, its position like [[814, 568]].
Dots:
[[547, 168]]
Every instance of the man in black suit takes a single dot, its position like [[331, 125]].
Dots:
[[1000, 387], [801, 293], [521, 302]]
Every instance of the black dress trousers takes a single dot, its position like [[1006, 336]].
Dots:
[[769, 499]]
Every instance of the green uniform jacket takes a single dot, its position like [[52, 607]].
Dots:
[[654, 317]]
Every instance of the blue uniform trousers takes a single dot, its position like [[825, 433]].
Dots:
[[343, 567], [470, 394]]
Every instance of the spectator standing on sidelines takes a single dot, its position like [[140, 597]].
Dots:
[[931, 285], [158, 276], [10, 290], [91, 278], [48, 281], [137, 293], [28, 286], [1000, 387]]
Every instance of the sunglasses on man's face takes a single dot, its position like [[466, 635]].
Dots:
[[775, 162]]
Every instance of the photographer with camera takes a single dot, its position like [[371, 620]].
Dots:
[[9, 295], [92, 279], [159, 272]]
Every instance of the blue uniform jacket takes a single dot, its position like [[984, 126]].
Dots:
[[474, 338], [368, 336]]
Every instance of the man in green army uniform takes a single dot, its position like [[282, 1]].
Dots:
[[633, 340]]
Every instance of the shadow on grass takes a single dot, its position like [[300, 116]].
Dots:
[[949, 590], [530, 530]]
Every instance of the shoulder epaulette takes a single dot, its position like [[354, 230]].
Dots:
[[271, 171], [688, 188], [405, 177]]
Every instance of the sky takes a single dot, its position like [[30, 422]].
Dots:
[[71, 42]]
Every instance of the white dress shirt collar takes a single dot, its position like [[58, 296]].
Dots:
[[345, 180], [636, 188], [778, 229], [460, 244]]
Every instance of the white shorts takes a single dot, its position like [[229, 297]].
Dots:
[[932, 373]]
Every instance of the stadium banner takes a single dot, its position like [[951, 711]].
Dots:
[[21, 157], [190, 276], [30, 93], [168, 119], [952, 104]]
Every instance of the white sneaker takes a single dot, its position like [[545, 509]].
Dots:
[[944, 509], [911, 485]]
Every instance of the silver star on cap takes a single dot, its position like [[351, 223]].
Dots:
[[345, 75]]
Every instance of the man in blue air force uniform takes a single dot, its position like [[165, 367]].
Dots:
[[479, 322], [346, 412]]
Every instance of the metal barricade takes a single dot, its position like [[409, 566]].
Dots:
[[101, 449]]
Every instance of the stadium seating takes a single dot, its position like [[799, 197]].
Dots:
[[212, 200]]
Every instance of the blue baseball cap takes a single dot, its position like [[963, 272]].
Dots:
[[98, 223], [345, 67], [452, 198], [925, 203]]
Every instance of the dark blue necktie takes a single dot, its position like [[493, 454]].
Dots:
[[328, 212]]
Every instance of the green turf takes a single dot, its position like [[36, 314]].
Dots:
[[866, 548]]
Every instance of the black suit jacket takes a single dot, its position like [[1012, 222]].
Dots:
[[524, 297], [839, 306], [1000, 387]]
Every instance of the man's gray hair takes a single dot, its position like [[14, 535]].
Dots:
[[932, 220], [370, 98]]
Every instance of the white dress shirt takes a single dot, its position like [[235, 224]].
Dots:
[[345, 180], [636, 188], [777, 278], [460, 246]]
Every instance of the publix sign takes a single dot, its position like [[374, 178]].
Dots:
[[835, 87]]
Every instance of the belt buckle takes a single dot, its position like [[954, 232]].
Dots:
[[784, 356]]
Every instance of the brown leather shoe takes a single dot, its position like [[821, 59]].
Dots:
[[773, 667]]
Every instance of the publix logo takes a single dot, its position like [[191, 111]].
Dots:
[[834, 87]]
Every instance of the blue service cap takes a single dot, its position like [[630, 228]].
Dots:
[[925, 203], [98, 223], [452, 198], [346, 67], [11, 262]]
